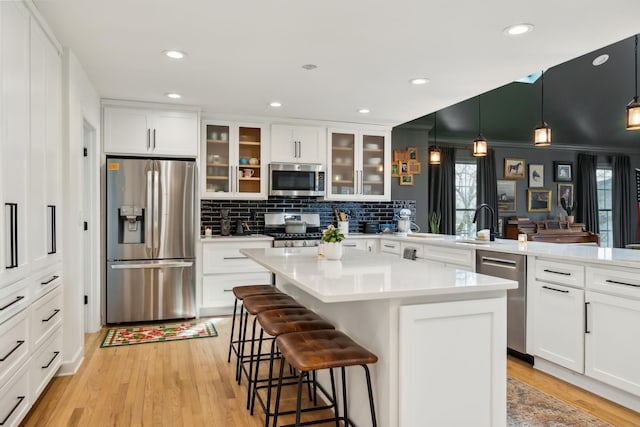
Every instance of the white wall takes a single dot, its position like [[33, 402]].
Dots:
[[80, 103]]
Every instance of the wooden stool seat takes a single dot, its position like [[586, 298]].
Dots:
[[241, 292], [322, 349], [287, 320], [259, 303]]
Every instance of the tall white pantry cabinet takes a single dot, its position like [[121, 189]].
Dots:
[[30, 215]]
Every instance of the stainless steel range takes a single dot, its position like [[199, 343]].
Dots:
[[275, 225]]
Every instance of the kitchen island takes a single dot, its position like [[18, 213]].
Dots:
[[439, 332]]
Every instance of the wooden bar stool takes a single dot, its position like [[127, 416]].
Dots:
[[275, 323], [255, 305], [241, 292], [326, 349]]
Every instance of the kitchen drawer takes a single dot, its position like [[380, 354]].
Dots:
[[412, 251], [217, 289], [622, 282], [46, 315], [226, 257], [458, 256], [45, 283], [390, 246], [561, 273], [14, 398], [13, 299], [14, 344], [45, 363]]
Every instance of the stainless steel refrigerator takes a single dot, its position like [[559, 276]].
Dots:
[[150, 231]]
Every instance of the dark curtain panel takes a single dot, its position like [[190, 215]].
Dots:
[[487, 190], [621, 204], [442, 190], [586, 192]]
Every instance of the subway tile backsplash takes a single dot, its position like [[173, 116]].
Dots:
[[253, 211]]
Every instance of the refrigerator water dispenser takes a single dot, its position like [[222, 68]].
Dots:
[[131, 224]]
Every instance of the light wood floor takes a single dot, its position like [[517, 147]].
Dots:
[[190, 383]]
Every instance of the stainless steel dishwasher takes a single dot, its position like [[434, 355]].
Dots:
[[514, 267]]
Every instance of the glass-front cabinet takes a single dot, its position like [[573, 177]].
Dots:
[[233, 164], [359, 165]]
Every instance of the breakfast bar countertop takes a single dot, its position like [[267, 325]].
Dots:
[[361, 276]]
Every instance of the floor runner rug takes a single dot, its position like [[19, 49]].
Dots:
[[131, 335], [528, 407]]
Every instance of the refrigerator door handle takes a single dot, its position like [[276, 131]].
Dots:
[[175, 264], [156, 205], [147, 220]]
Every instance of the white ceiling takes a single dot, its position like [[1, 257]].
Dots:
[[244, 54]]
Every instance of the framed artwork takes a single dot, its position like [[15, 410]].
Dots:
[[563, 171], [406, 179], [506, 195], [565, 191], [412, 153], [414, 167], [536, 175], [400, 155], [539, 200], [513, 168], [395, 169], [404, 168]]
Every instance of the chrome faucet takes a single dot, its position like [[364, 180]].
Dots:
[[492, 231]]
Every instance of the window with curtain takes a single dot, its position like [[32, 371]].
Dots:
[[466, 183], [603, 184]]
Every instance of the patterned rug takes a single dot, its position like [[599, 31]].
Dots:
[[131, 335], [528, 407]]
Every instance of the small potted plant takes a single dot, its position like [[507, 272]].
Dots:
[[434, 222], [332, 239], [569, 208]]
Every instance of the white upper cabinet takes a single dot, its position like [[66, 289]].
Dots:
[[358, 165], [150, 132], [298, 144], [14, 140], [233, 161]]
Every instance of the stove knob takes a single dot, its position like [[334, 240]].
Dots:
[[287, 244], [304, 243]]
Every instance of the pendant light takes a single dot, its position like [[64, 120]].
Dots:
[[542, 134], [434, 151], [479, 144], [633, 108]]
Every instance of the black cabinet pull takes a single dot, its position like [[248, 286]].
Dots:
[[18, 298], [615, 282], [586, 316], [4, 421], [56, 311], [52, 243], [50, 280], [557, 290], [235, 257], [6, 356], [55, 354], [13, 234], [557, 272]]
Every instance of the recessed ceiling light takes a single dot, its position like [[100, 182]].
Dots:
[[275, 104], [518, 29], [174, 95], [419, 81], [600, 60], [309, 66], [174, 54], [364, 111]]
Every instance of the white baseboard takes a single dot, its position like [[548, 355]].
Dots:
[[215, 311], [70, 367]]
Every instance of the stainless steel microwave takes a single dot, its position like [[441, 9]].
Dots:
[[296, 179]]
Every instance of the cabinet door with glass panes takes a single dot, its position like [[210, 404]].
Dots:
[[356, 166], [233, 161]]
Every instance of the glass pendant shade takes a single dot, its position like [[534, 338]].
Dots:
[[542, 135], [633, 114], [480, 146], [434, 156]]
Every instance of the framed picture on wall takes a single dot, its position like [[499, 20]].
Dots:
[[395, 169], [565, 191], [536, 176], [414, 167], [513, 168], [406, 179], [412, 153], [563, 171], [539, 200], [506, 195]]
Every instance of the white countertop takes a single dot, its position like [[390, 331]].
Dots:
[[236, 238], [361, 275]]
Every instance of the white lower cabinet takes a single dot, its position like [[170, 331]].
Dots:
[[559, 324], [45, 362], [612, 341], [369, 245], [15, 400], [390, 246], [223, 268]]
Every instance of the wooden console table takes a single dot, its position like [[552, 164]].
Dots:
[[550, 231]]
